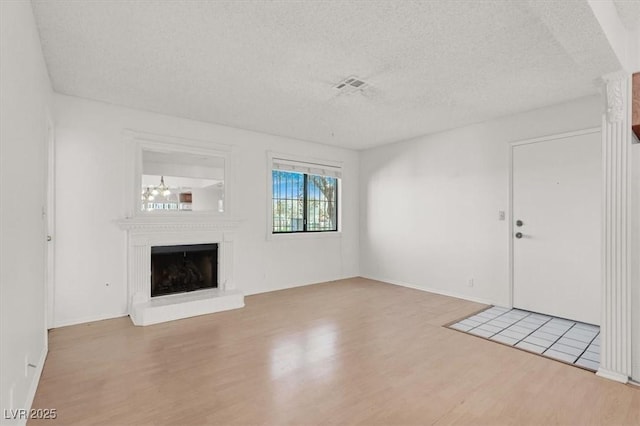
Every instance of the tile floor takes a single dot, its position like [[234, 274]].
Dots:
[[570, 341]]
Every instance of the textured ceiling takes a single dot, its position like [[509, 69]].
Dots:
[[271, 66]]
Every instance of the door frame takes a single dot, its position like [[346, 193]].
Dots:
[[513, 145], [50, 223]]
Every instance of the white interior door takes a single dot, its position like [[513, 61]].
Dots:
[[556, 244]]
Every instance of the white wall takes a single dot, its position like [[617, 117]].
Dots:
[[26, 92], [429, 206], [90, 248]]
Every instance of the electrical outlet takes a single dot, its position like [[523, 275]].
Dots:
[[501, 215], [470, 283]]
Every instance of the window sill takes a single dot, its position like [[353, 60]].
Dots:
[[303, 235]]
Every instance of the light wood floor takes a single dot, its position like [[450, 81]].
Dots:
[[353, 351]]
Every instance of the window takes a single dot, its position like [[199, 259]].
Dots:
[[181, 182], [304, 197]]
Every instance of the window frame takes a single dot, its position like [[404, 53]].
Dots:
[[273, 159]]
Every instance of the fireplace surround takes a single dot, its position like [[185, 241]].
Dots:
[[145, 233]]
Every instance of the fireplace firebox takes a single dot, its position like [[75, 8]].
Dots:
[[183, 268]]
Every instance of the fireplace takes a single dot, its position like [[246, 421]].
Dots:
[[183, 268], [170, 237]]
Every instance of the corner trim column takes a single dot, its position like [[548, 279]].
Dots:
[[615, 352]]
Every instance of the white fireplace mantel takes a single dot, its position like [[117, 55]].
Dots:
[[172, 223], [146, 232]]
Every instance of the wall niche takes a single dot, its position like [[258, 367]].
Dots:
[[177, 177]]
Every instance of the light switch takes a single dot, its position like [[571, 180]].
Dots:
[[501, 215]]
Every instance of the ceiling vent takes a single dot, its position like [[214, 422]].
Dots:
[[350, 85]]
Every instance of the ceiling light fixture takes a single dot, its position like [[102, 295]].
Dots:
[[150, 192], [162, 188]]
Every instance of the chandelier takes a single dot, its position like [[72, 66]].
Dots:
[[151, 192]]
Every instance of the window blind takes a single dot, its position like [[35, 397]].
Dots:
[[307, 167]]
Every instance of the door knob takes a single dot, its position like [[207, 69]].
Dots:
[[518, 235], [48, 237], [519, 223]]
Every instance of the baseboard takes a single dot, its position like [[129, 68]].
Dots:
[[33, 387], [433, 290], [612, 375], [287, 287], [76, 321]]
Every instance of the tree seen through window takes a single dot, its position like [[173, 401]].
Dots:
[[304, 202]]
